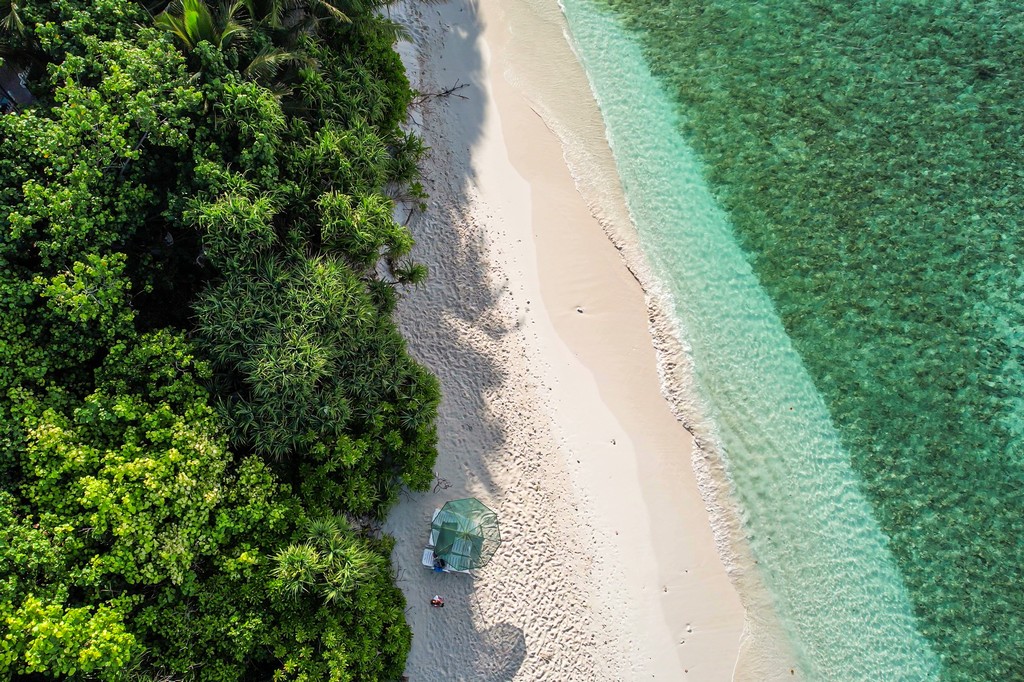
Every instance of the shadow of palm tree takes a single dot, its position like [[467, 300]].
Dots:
[[501, 653]]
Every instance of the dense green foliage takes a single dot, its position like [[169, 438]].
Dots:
[[205, 399], [868, 155]]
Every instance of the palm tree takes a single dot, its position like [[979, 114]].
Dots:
[[267, 62], [307, 17], [11, 22], [371, 11], [288, 20], [18, 45], [192, 22], [285, 13]]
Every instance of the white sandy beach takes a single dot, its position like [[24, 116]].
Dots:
[[553, 412]]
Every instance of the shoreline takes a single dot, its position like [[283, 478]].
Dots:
[[553, 409]]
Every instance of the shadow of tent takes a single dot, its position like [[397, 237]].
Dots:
[[501, 654]]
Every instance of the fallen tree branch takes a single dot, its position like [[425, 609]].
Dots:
[[450, 92]]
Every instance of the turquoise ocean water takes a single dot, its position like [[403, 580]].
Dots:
[[829, 198]]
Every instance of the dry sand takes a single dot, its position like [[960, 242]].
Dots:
[[552, 411]]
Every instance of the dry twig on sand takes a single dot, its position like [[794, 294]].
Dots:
[[453, 91]]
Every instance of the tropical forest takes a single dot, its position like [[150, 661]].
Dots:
[[206, 407]]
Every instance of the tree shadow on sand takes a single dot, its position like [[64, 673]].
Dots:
[[501, 653], [452, 325], [457, 295]]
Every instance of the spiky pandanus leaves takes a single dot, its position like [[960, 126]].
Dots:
[[322, 531], [235, 225], [363, 228], [297, 567], [351, 566], [287, 330], [410, 273], [332, 561], [310, 363]]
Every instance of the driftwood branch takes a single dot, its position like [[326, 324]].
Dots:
[[449, 92]]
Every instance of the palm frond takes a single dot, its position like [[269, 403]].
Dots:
[[393, 30], [333, 11], [12, 23], [232, 26], [192, 21], [268, 61], [174, 24]]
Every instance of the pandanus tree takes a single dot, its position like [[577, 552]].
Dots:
[[332, 562]]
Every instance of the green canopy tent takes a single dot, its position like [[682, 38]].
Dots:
[[465, 534]]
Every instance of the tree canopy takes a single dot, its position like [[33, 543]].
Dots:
[[206, 401]]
